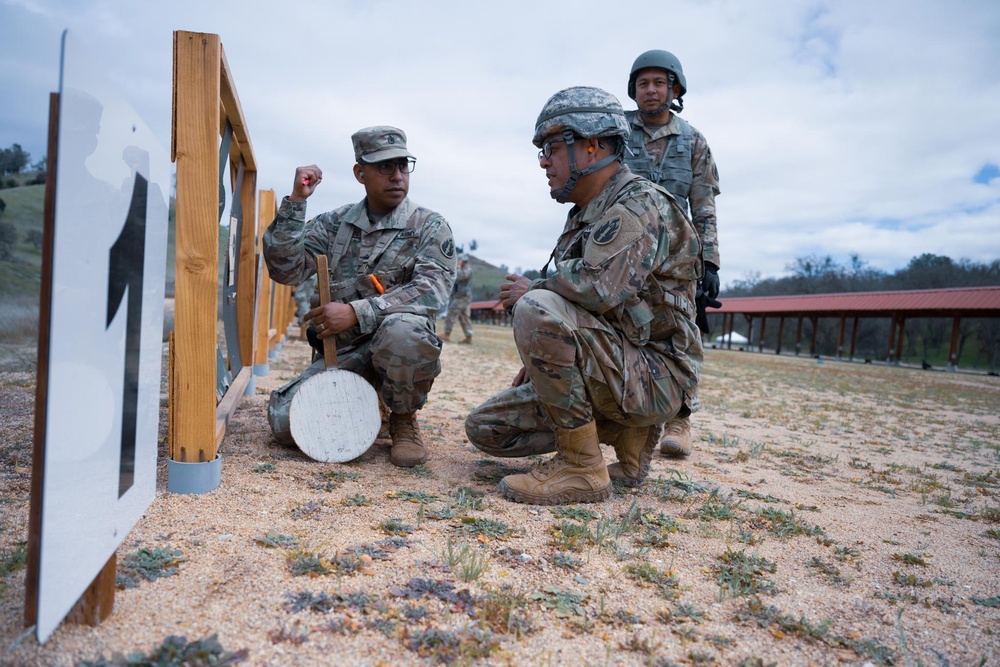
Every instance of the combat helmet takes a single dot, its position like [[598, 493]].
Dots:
[[661, 60], [582, 111]]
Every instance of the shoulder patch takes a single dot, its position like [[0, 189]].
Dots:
[[612, 236], [448, 248], [607, 231]]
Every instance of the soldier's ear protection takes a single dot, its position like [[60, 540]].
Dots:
[[590, 149]]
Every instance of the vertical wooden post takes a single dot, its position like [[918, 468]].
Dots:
[[246, 288], [195, 150], [265, 213]]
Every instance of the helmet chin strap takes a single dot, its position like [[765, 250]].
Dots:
[[562, 194], [671, 103]]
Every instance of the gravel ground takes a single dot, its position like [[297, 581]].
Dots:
[[832, 513]]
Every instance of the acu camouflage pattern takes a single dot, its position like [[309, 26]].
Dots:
[[304, 296], [610, 334], [583, 110], [411, 252], [378, 144], [461, 302], [676, 157]]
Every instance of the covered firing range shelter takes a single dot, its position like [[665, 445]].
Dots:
[[898, 306]]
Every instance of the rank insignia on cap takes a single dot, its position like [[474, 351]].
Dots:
[[448, 248], [607, 232]]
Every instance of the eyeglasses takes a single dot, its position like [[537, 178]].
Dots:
[[546, 151], [405, 166]]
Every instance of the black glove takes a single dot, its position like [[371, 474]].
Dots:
[[710, 282], [702, 301]]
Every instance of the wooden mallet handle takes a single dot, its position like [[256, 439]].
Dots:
[[323, 282]]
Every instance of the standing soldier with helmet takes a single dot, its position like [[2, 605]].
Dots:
[[669, 151], [608, 342], [461, 302]]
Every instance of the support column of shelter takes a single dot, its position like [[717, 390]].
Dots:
[[854, 338], [840, 336], [899, 340], [953, 348], [892, 340]]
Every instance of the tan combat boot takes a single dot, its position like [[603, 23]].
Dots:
[[467, 341], [576, 474], [676, 441], [634, 446], [407, 447], [446, 337]]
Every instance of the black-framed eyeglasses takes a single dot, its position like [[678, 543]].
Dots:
[[546, 151], [405, 166]]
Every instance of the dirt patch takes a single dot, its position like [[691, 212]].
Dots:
[[832, 513]]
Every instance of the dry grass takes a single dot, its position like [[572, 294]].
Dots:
[[831, 514]]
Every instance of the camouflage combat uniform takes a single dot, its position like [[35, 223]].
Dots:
[[412, 254], [610, 335], [676, 156], [304, 296], [461, 301]]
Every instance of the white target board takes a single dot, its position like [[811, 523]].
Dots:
[[105, 330]]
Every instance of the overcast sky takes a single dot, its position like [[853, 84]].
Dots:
[[839, 127]]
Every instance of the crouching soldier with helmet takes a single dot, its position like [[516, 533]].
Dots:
[[607, 338]]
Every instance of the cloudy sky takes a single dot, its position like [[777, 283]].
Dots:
[[839, 126]]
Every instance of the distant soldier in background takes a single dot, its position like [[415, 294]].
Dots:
[[461, 301], [669, 151], [304, 297]]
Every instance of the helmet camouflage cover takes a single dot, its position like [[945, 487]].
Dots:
[[584, 110]]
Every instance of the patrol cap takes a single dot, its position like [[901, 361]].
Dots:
[[379, 143]]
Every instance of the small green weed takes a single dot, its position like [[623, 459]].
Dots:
[[357, 500], [911, 559], [449, 646], [467, 563], [264, 466], [277, 541], [412, 496], [647, 573], [395, 526], [786, 524], [148, 564], [179, 651], [564, 603], [742, 574], [14, 559], [505, 612], [490, 528]]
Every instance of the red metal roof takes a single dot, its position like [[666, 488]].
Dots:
[[965, 301], [486, 305]]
